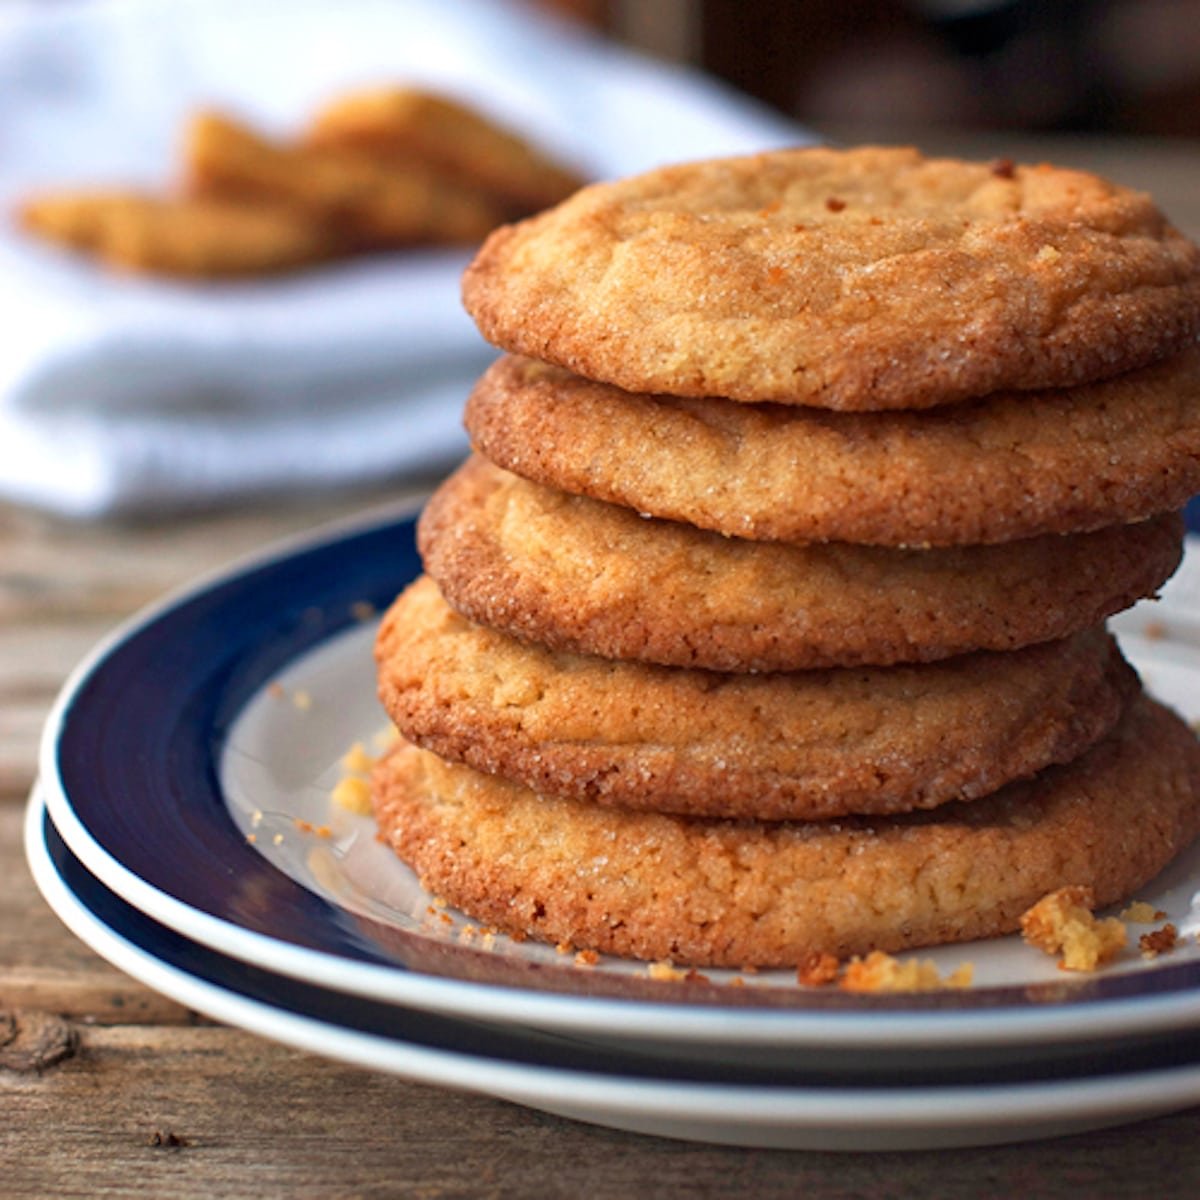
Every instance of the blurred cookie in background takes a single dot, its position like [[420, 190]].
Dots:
[[406, 125], [378, 170]]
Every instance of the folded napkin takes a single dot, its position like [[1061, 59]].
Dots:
[[128, 394]]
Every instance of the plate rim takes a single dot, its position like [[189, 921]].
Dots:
[[861, 1109], [881, 1027]]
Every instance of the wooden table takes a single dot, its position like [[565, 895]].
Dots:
[[106, 1089]]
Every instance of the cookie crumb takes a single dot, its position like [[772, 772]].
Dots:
[[357, 759], [817, 968], [1154, 631], [1004, 168], [587, 958], [302, 700], [362, 610], [1158, 941], [880, 972], [1141, 913], [321, 831], [1062, 921], [353, 794], [665, 972]]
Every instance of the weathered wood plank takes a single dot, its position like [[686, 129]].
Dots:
[[52, 568], [43, 966], [210, 1112], [35, 658], [63, 587]]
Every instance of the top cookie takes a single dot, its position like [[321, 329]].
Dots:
[[856, 280]]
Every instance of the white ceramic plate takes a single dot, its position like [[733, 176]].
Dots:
[[545, 1074], [223, 713]]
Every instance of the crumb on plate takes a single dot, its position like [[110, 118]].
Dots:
[[353, 794], [1141, 913], [880, 972], [1159, 941], [1062, 922], [817, 969], [665, 972]]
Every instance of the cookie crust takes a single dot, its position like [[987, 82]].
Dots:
[[731, 893], [805, 745], [993, 470], [595, 578], [862, 279]]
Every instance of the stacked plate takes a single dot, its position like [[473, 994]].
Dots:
[[183, 827]]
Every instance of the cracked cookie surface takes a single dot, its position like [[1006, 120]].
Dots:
[[1005, 467], [732, 893], [582, 575], [870, 278], [799, 745]]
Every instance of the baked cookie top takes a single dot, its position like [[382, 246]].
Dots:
[[579, 574], [871, 278], [731, 893], [803, 745], [1012, 465]]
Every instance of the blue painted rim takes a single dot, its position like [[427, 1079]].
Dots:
[[139, 736], [525, 1048]]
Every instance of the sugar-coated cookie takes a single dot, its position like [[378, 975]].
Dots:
[[801, 745], [994, 470], [731, 893], [870, 278], [582, 575]]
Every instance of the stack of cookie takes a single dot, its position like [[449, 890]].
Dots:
[[768, 619]]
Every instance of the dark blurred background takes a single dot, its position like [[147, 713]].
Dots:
[[1104, 66]]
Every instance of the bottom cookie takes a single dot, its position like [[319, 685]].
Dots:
[[739, 893]]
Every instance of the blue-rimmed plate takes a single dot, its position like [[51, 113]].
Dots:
[[221, 715], [796, 1110]]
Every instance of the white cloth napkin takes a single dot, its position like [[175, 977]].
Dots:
[[122, 394]]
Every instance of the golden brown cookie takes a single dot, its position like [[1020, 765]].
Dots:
[[804, 745], [579, 574], [856, 279], [993, 470], [406, 124], [192, 237], [368, 204], [730, 893]]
